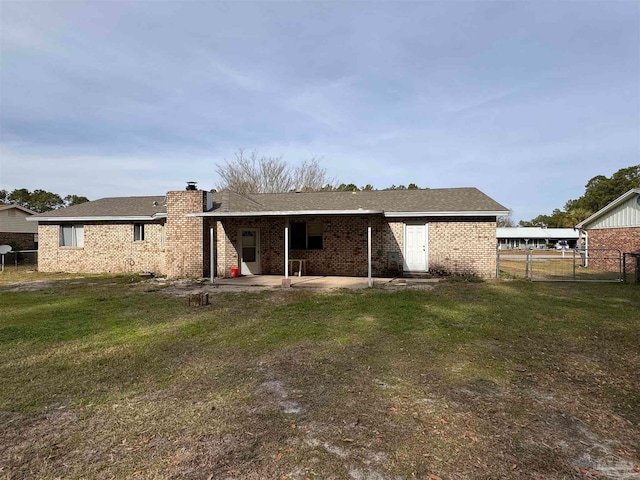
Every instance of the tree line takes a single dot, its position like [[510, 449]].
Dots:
[[599, 192], [39, 200]]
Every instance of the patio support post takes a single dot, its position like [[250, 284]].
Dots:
[[211, 255], [286, 248], [369, 278]]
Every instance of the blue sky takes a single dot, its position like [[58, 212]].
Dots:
[[525, 100]]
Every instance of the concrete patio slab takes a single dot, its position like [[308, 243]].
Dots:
[[319, 282], [309, 281], [257, 283]]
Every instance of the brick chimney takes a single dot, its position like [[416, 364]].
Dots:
[[185, 235]]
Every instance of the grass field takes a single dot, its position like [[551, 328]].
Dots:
[[111, 377]]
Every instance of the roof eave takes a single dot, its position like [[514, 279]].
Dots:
[[467, 213], [100, 218], [292, 213]]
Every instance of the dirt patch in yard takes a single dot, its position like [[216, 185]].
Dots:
[[26, 286], [184, 288], [34, 443]]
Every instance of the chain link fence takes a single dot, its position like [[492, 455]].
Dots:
[[574, 265], [20, 259]]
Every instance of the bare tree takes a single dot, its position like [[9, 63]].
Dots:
[[254, 174], [310, 176], [505, 221]]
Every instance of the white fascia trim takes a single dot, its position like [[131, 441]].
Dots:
[[98, 219], [622, 198], [482, 213], [286, 213]]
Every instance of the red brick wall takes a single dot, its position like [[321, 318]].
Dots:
[[623, 239], [108, 247], [464, 246]]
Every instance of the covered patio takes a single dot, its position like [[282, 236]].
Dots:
[[302, 248]]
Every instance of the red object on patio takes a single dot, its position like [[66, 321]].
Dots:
[[235, 273]]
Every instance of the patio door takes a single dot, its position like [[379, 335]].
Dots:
[[249, 251], [415, 248]]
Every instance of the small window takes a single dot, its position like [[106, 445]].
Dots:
[[72, 236], [306, 235], [138, 232], [12, 212]]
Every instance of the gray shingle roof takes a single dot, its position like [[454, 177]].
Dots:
[[438, 200], [112, 207]]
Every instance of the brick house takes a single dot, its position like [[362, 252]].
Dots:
[[15, 230], [192, 233], [616, 227]]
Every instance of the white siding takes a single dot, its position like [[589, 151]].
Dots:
[[15, 222], [626, 214]]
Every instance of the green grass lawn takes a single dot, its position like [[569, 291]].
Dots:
[[110, 377]]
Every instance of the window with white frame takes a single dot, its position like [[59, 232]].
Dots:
[[72, 235], [306, 235], [138, 232]]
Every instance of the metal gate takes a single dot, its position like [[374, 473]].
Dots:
[[593, 265]]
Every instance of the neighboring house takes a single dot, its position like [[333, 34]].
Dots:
[[615, 227], [187, 233], [534, 237], [15, 230]]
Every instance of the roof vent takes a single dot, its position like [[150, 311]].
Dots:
[[192, 186]]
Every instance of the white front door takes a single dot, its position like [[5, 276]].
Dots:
[[415, 248], [249, 247]]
